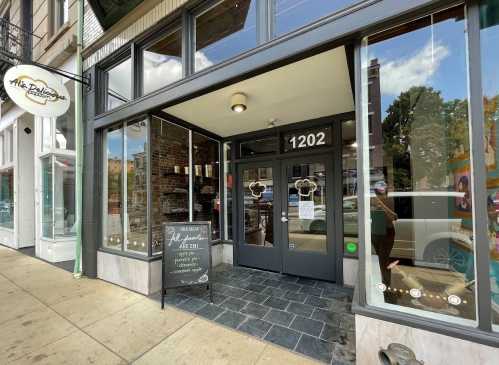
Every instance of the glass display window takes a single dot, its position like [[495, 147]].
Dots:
[[119, 84], [420, 251]]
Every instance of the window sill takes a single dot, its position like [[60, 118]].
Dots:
[[129, 255], [444, 328], [57, 35]]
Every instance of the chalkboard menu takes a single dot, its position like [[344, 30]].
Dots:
[[186, 255]]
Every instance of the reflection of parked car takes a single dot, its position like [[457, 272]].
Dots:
[[430, 231]]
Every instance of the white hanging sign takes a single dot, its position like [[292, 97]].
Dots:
[[36, 90]]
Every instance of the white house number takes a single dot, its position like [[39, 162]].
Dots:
[[308, 140]]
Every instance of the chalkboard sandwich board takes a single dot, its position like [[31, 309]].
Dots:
[[186, 256]]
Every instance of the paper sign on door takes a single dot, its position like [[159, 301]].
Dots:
[[306, 210]]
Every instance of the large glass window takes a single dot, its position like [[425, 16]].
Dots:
[[225, 30], [162, 62], [350, 209], [489, 37], [292, 14], [206, 197], [7, 198], [47, 199], [421, 256], [113, 181], [64, 198], [119, 84], [169, 177], [136, 187], [228, 186]]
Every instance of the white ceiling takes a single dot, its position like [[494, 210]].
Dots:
[[311, 88]]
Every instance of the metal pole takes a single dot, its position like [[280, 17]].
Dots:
[[79, 140]]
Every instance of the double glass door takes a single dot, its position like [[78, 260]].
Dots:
[[287, 216]]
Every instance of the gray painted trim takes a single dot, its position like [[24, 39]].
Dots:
[[479, 170], [361, 189], [191, 180]]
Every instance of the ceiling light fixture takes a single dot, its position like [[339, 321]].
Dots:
[[238, 102]]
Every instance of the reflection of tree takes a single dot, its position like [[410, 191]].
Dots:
[[421, 134]]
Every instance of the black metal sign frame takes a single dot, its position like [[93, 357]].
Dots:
[[164, 285]]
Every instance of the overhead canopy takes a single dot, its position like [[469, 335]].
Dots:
[[108, 12]]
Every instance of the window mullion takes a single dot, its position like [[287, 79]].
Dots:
[[191, 181], [52, 157], [123, 189], [479, 170]]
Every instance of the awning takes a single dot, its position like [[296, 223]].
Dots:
[[109, 12]]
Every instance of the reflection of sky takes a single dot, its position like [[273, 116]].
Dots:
[[120, 79], [135, 140], [292, 14], [490, 57], [432, 56], [160, 70], [114, 143], [231, 45]]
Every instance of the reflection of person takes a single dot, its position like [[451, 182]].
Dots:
[[383, 231], [464, 203]]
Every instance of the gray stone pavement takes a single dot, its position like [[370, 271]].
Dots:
[[48, 317]]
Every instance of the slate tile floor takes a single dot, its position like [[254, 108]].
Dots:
[[307, 316]]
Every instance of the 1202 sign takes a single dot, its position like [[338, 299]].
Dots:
[[308, 140]]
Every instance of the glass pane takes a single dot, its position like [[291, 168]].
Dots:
[[162, 62], [112, 189], [206, 192], [225, 30], [293, 14], [349, 167], [2, 154], [259, 147], [119, 84], [136, 175], [307, 221], [7, 198], [10, 135], [47, 199], [228, 184], [422, 255], [46, 134], [258, 187], [169, 177], [64, 200], [489, 37], [65, 130]]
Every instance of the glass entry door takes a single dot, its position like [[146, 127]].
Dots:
[[306, 217], [258, 200]]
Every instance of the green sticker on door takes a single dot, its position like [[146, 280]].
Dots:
[[351, 247]]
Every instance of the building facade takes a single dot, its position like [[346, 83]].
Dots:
[[350, 141], [38, 154]]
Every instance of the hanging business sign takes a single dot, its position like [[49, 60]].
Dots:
[[36, 90]]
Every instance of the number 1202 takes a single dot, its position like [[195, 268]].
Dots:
[[308, 140]]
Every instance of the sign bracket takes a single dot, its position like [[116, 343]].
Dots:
[[69, 75]]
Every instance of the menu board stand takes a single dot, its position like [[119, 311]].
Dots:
[[186, 256]]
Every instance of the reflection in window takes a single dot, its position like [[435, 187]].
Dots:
[[293, 14], [7, 198], [162, 62], [112, 189], [349, 167], [119, 84], [65, 130], [169, 177], [206, 192], [259, 147], [136, 184], [258, 185], [47, 199], [489, 37], [422, 255], [64, 197], [228, 184], [225, 30]]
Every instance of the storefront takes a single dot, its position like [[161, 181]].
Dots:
[[347, 148]]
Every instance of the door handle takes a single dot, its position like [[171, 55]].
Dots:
[[284, 219]]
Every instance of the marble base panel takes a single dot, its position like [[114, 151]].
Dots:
[[431, 348]]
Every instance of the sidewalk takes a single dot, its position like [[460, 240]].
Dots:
[[47, 317]]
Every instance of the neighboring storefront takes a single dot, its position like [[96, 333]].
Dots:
[[357, 148]]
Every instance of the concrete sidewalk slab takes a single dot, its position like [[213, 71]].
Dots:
[[48, 317]]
